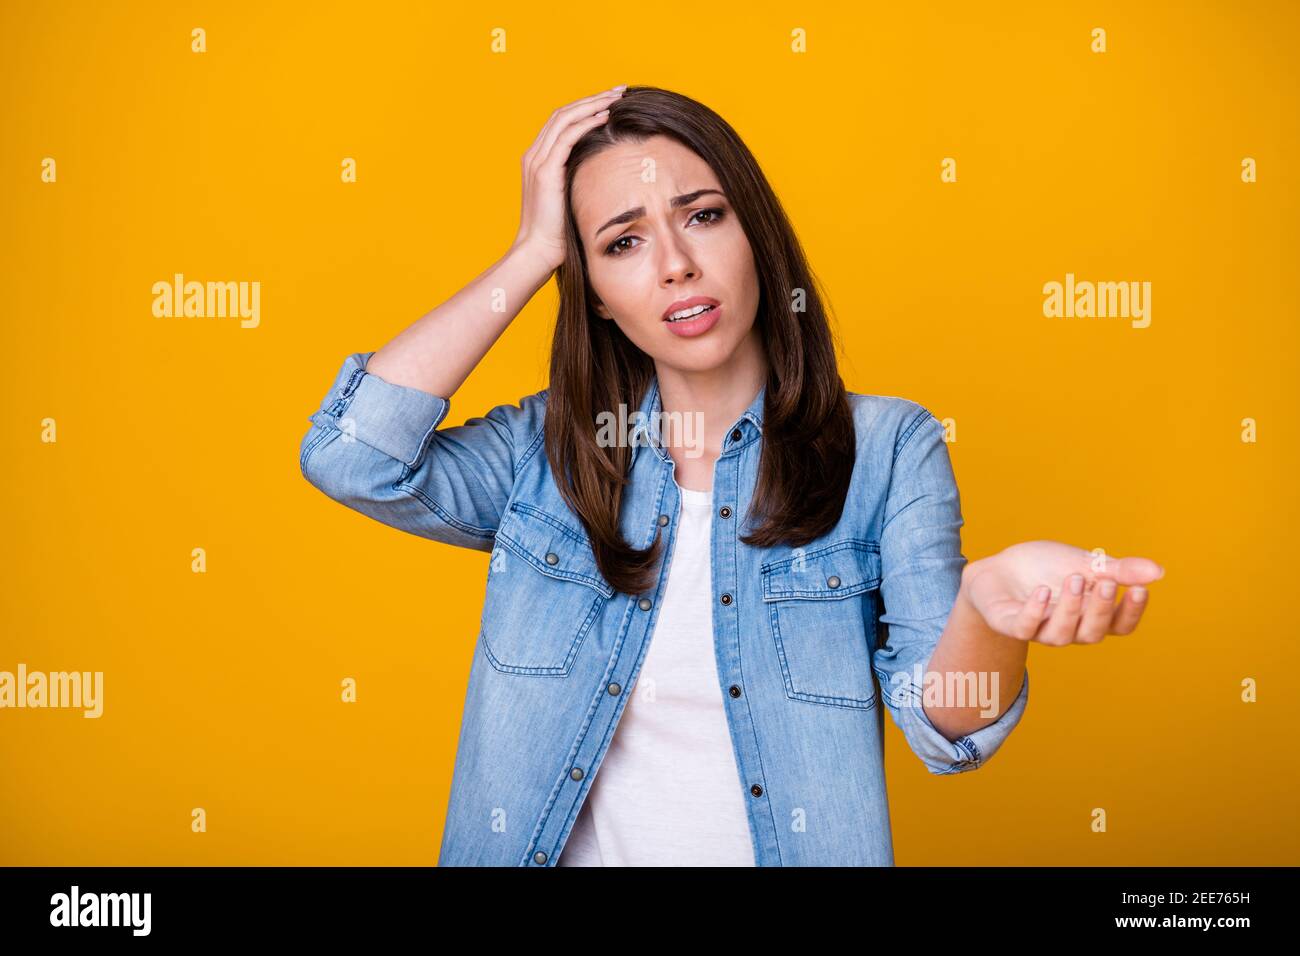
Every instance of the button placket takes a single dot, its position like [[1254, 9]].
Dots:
[[613, 689], [728, 598]]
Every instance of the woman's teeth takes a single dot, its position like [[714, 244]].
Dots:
[[698, 310]]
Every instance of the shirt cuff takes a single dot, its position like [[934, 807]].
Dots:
[[968, 752], [394, 419]]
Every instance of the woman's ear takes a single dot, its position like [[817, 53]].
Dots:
[[601, 310]]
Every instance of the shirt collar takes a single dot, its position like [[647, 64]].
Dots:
[[645, 430]]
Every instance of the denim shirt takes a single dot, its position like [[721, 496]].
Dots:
[[812, 644]]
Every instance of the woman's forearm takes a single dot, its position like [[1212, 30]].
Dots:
[[436, 353], [968, 646]]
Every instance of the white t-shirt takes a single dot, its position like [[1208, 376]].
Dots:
[[668, 792]]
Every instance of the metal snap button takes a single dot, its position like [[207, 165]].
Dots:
[[726, 599], [833, 581], [737, 435], [552, 558], [643, 604], [576, 773], [539, 857], [725, 512], [663, 520], [614, 689]]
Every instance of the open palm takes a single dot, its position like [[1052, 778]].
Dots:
[[1055, 593]]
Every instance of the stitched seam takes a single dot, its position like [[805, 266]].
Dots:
[[540, 515], [310, 449], [548, 670], [740, 666], [910, 431], [535, 441], [443, 515], [858, 544], [851, 703], [826, 593], [354, 381], [573, 576], [423, 442]]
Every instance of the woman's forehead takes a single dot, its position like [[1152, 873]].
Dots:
[[624, 177]]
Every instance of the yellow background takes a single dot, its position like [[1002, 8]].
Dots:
[[222, 689]]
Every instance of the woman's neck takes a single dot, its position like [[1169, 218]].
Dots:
[[699, 407]]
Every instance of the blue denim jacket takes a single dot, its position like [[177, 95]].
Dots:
[[810, 642]]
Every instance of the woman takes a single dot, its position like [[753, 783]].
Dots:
[[705, 551]]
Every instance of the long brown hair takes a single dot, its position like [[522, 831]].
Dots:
[[808, 440]]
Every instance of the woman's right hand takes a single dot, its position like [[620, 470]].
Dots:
[[542, 218]]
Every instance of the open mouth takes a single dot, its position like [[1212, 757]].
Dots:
[[689, 314]]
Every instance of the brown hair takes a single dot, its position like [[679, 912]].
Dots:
[[808, 439]]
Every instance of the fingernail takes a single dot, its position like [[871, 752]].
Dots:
[[1139, 594], [1108, 589], [620, 87], [1042, 593], [1076, 584]]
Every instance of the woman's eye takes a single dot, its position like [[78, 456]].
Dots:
[[614, 249], [716, 212]]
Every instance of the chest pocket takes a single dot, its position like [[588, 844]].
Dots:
[[544, 593], [821, 611]]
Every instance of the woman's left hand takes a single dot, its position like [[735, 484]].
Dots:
[[1054, 593]]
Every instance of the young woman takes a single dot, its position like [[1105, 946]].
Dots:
[[711, 565]]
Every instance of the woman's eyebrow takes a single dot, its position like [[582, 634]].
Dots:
[[676, 202]]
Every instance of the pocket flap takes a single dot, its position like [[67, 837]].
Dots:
[[551, 546], [824, 574]]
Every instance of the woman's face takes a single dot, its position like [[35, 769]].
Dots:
[[657, 231]]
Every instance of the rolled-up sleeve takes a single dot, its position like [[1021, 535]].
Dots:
[[968, 752], [377, 448], [921, 566]]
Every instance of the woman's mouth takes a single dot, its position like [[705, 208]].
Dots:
[[694, 321]]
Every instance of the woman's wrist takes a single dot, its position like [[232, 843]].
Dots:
[[969, 573], [969, 617], [535, 256]]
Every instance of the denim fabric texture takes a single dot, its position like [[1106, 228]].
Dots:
[[813, 644]]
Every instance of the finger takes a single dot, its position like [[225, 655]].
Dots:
[[1061, 626], [570, 134], [1025, 623], [1128, 571], [1098, 612], [562, 117], [561, 111], [1130, 610]]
